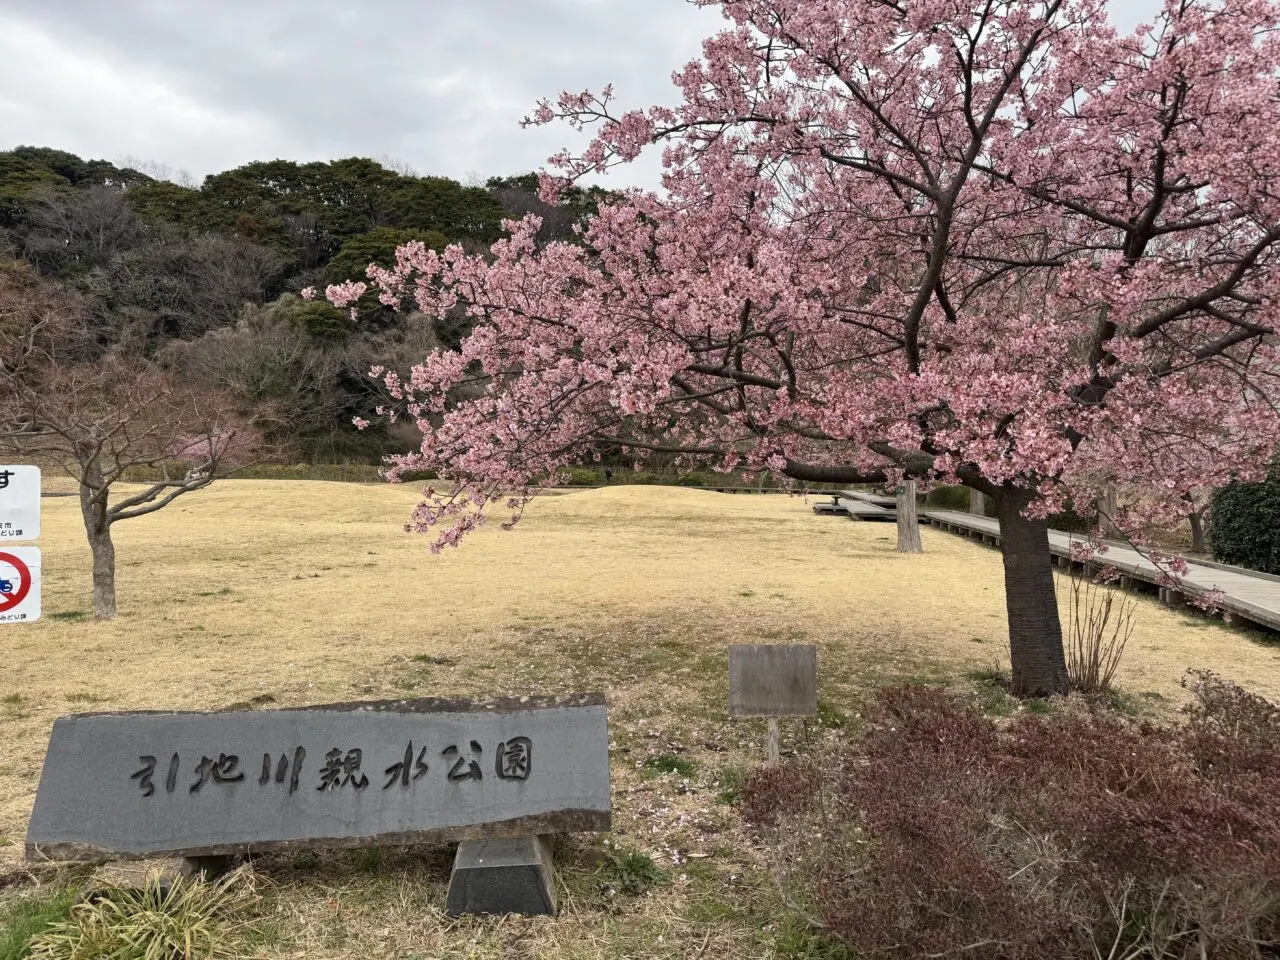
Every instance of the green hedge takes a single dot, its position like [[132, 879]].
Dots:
[[625, 476], [1068, 521], [947, 497], [1246, 524]]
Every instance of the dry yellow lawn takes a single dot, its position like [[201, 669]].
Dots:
[[309, 592]]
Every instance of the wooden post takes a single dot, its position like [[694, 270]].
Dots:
[[772, 751]]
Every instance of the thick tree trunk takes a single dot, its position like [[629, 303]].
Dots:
[[908, 521], [1198, 544], [104, 575], [98, 529], [977, 502], [1107, 512], [1035, 632]]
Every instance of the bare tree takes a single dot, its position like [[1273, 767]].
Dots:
[[271, 365], [97, 415], [308, 239], [175, 287], [76, 230], [403, 167], [158, 170], [557, 221]]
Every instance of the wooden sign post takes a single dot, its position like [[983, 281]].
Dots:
[[773, 680]]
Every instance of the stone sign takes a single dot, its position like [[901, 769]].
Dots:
[[19, 503], [130, 785], [773, 680]]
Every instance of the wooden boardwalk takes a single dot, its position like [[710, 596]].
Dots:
[[1253, 598], [876, 499], [858, 506]]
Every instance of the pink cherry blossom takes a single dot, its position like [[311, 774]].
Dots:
[[346, 293], [998, 245]]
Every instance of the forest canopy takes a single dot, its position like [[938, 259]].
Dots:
[[203, 279]]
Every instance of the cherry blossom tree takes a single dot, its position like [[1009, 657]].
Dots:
[[993, 243]]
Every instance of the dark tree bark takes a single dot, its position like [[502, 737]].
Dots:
[[1198, 544], [908, 520], [1107, 512], [1035, 631], [977, 502], [104, 575], [97, 526]]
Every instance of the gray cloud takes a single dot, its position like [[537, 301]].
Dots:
[[206, 86]]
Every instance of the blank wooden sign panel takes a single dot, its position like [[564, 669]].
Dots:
[[773, 680]]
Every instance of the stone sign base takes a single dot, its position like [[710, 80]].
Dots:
[[503, 876], [142, 874]]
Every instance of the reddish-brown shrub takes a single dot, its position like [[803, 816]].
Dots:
[[1074, 835], [773, 794]]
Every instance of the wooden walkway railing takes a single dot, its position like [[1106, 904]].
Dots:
[[1253, 598]]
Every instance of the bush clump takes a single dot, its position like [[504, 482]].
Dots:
[[1073, 835], [582, 477], [623, 475], [188, 919], [948, 497], [1246, 524]]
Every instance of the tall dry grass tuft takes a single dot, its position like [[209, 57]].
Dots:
[[1099, 628], [191, 919]]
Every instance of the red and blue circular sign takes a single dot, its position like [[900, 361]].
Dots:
[[15, 592]]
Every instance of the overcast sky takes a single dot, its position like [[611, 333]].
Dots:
[[206, 85]]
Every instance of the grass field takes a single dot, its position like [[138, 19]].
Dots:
[[288, 593]]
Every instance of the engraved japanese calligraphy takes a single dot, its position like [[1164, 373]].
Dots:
[[146, 783]]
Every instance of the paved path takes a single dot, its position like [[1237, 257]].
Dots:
[[1247, 596]]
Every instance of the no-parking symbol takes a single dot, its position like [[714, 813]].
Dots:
[[19, 584]]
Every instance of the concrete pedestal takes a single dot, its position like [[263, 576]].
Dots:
[[139, 875], [503, 876], [209, 867]]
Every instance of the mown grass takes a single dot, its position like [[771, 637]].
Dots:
[[24, 916]]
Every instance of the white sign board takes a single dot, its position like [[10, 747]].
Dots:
[[19, 584], [19, 503]]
